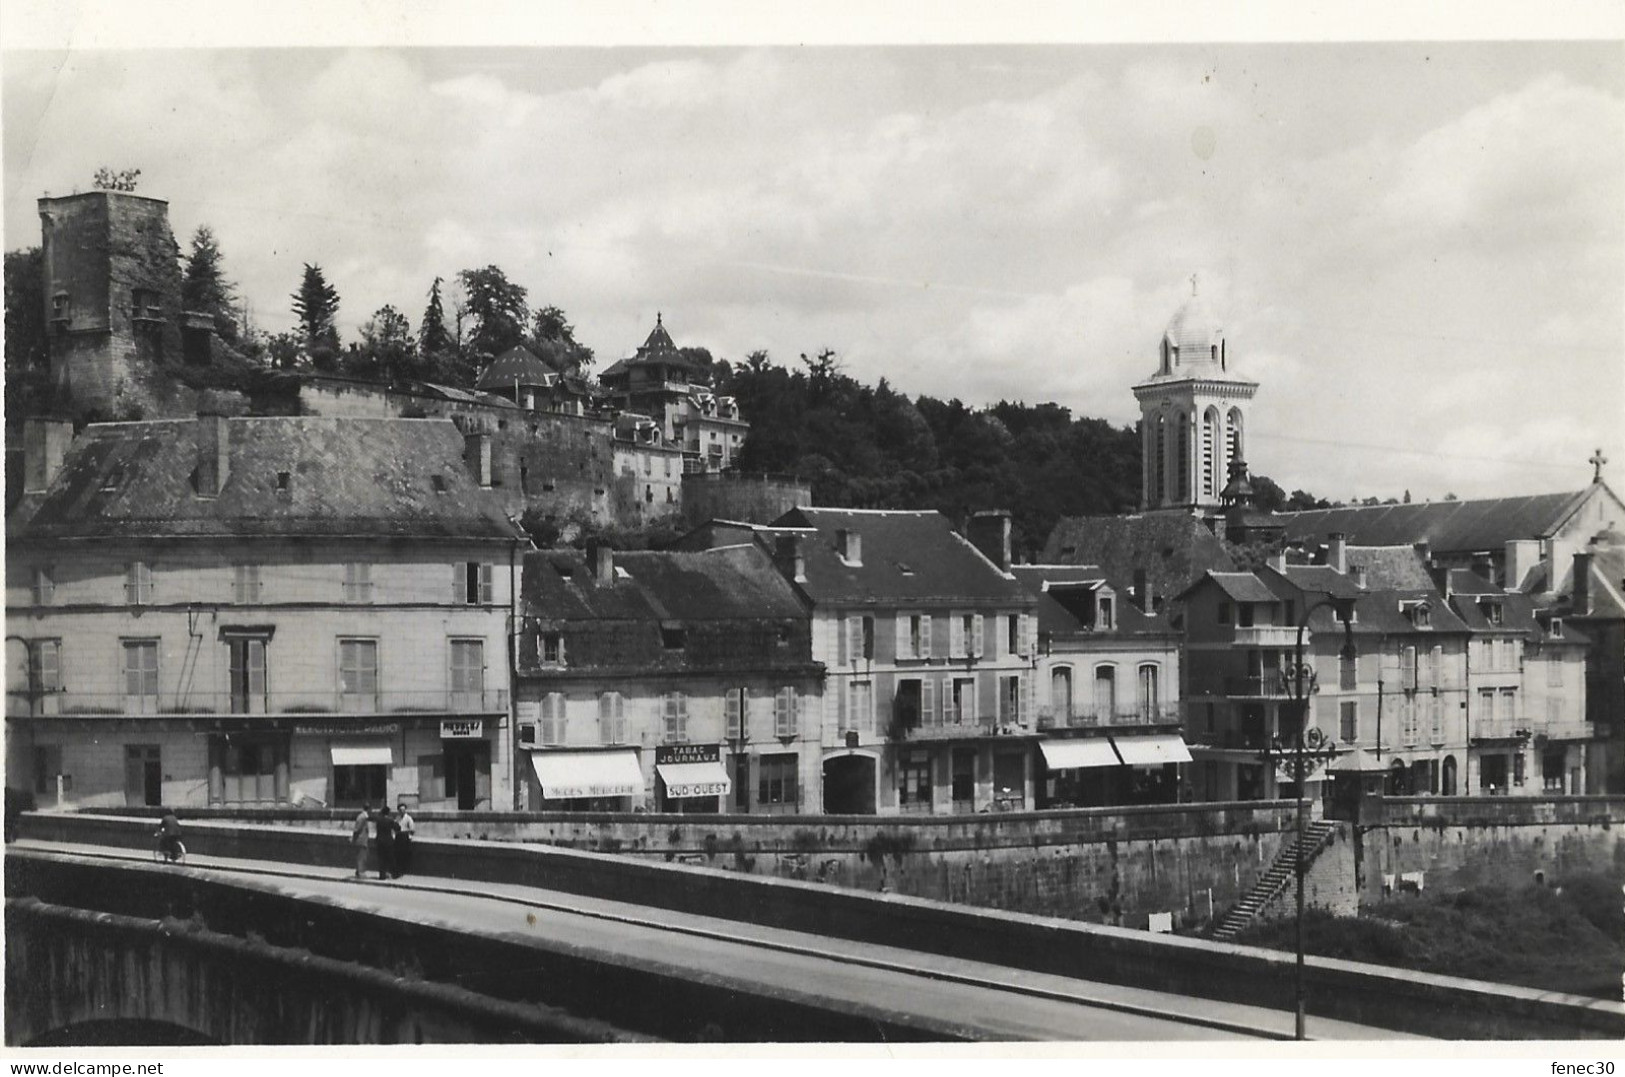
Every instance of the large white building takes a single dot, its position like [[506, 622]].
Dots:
[[258, 611]]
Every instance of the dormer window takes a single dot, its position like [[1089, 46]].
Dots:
[[114, 477], [673, 638], [1422, 615], [1105, 614], [1493, 613], [284, 481], [61, 307], [1557, 628]]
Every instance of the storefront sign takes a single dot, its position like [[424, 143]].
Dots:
[[687, 753], [347, 729], [462, 728]]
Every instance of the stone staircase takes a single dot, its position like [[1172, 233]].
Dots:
[[1280, 875]]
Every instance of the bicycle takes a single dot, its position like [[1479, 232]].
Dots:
[[172, 851]]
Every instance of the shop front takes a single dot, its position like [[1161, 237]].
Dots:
[[690, 778], [604, 779], [1080, 772]]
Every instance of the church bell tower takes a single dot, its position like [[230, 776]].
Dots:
[[1193, 412]]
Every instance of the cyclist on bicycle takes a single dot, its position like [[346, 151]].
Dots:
[[169, 836]]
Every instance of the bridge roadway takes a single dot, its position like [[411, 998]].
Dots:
[[995, 1001]]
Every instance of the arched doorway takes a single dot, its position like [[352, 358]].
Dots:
[[1398, 779], [849, 784], [1447, 783]]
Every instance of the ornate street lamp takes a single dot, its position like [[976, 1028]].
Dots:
[[1307, 745]]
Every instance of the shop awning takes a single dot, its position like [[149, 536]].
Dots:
[[1151, 751], [574, 775], [362, 754], [1075, 752], [694, 779]]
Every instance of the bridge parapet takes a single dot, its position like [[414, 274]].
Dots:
[[1349, 991]]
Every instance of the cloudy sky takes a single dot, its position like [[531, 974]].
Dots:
[[1418, 250]]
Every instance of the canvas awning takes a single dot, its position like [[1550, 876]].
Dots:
[[1358, 761], [575, 775], [1074, 752], [362, 754], [694, 779], [1151, 751]]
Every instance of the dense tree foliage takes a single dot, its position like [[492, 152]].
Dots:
[[872, 447], [316, 304], [204, 286], [553, 339], [28, 360], [436, 349], [116, 179], [386, 351], [499, 313]]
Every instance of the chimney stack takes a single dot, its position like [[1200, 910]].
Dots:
[[601, 560], [1142, 589], [1484, 566], [990, 533], [1581, 605], [1337, 555], [477, 455], [1424, 553], [849, 544], [1359, 576], [1277, 560], [45, 446], [213, 453], [788, 556]]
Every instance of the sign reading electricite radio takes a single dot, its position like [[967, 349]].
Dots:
[[462, 728]]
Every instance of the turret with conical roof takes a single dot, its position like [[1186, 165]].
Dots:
[[1192, 411]]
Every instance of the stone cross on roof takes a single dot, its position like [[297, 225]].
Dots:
[[1596, 462]]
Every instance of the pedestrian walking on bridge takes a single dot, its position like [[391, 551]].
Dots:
[[360, 839]]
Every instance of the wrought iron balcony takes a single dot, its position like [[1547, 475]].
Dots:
[[1272, 685], [1106, 717]]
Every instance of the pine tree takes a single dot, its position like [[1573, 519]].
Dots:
[[204, 286], [433, 338], [316, 304]]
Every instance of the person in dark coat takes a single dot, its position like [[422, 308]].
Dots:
[[387, 829], [405, 829]]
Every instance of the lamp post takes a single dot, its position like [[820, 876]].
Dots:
[[1322, 748]]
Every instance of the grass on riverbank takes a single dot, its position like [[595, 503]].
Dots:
[[1563, 937]]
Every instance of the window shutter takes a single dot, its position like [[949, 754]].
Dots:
[[784, 712], [487, 586], [948, 715], [459, 582], [928, 701], [925, 636], [843, 640], [978, 636], [1024, 713], [902, 624], [841, 706], [956, 636], [733, 712]]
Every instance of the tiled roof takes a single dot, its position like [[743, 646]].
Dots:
[[1174, 548], [397, 478], [907, 557], [735, 609], [738, 581], [1243, 587], [1447, 526], [1389, 566], [1060, 617], [1322, 579], [518, 365]]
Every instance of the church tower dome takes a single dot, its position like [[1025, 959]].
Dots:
[[1192, 412]]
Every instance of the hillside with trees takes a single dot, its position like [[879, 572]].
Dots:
[[864, 446]]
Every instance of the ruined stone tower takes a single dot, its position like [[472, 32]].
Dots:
[[112, 302]]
